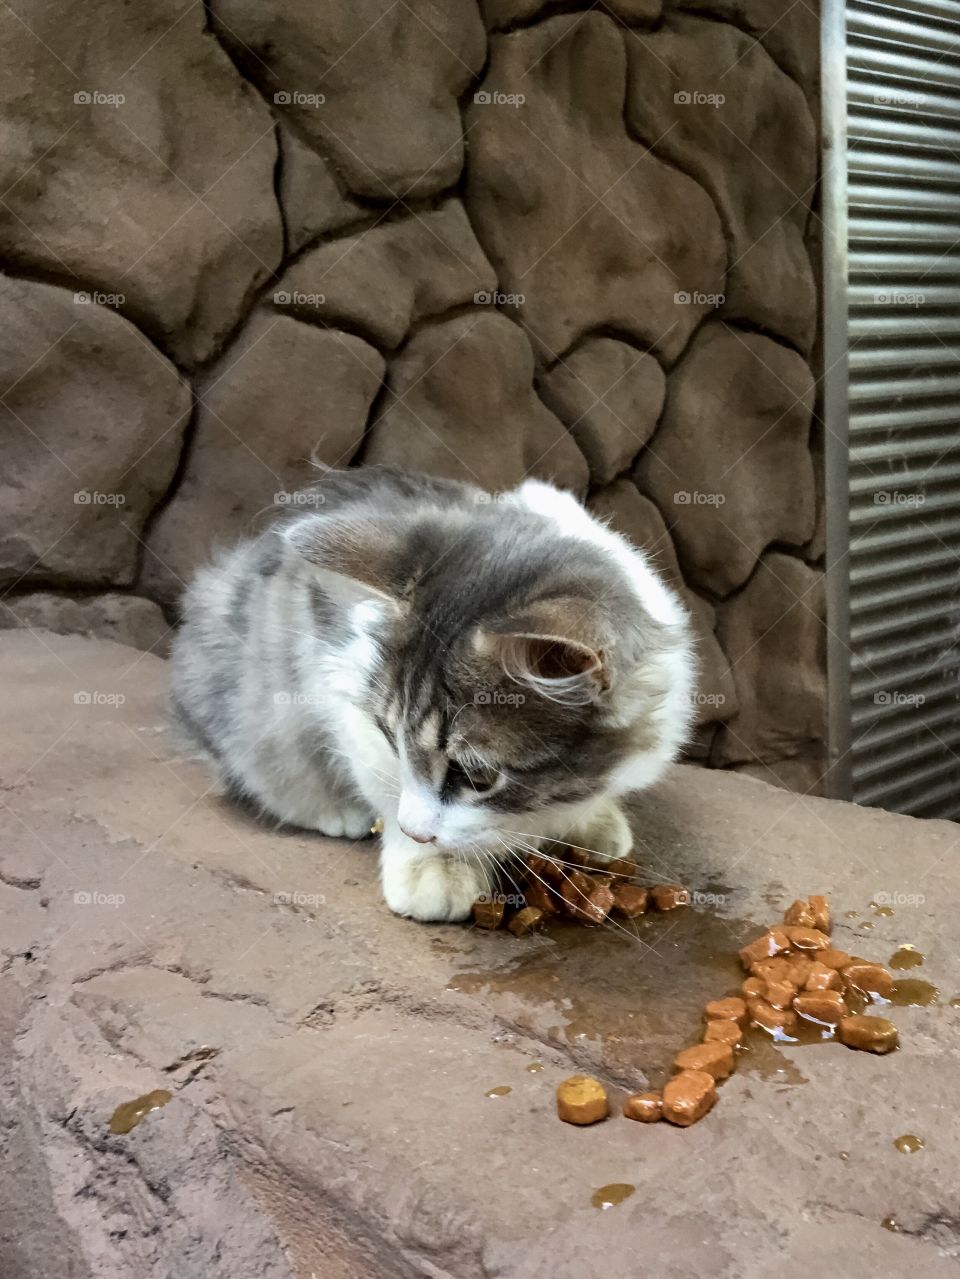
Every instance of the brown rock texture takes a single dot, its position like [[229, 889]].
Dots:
[[91, 423], [125, 619], [710, 99], [585, 226], [109, 184], [774, 633], [487, 241], [461, 400], [374, 86], [731, 461], [609, 395], [330, 1064], [385, 277], [286, 394]]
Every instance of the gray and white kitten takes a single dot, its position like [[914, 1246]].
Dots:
[[482, 673]]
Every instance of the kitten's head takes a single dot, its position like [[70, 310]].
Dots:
[[524, 658]]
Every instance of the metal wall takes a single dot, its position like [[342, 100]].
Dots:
[[892, 350]]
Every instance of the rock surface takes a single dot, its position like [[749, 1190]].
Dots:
[[774, 633], [285, 394], [739, 119], [125, 619], [582, 223], [383, 278], [789, 31], [129, 197], [374, 85], [91, 423], [330, 1064], [309, 194], [609, 395], [731, 461], [461, 403]]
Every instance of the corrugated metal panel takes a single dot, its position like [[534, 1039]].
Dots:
[[903, 474]]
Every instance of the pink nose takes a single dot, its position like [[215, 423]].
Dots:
[[419, 839]]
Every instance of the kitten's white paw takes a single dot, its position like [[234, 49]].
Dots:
[[345, 821], [604, 833], [433, 888]]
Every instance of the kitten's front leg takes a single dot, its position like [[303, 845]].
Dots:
[[603, 831], [423, 883]]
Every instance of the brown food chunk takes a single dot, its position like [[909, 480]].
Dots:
[[870, 977], [771, 943], [806, 938], [575, 856], [753, 986], [629, 900], [799, 912], [838, 959], [525, 921], [645, 1106], [539, 896], [688, 1096], [669, 896], [732, 1009], [720, 1031], [764, 1014], [542, 868], [714, 1057], [625, 868], [488, 912], [591, 907], [820, 977], [871, 1034], [822, 1005], [582, 1100], [789, 968], [780, 993], [821, 912]]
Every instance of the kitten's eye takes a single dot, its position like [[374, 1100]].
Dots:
[[479, 780]]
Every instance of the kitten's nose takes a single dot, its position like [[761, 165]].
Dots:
[[418, 839]]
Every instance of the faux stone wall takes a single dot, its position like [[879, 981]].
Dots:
[[519, 238]]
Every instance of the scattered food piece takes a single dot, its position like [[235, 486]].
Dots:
[[780, 993], [539, 896], [822, 1005], [771, 943], [589, 903], [873, 978], [838, 959], [870, 1034], [621, 866], [753, 986], [629, 900], [799, 912], [582, 1100], [714, 1058], [763, 1013], [669, 896], [806, 938], [688, 1096], [488, 912], [821, 912], [525, 921], [723, 1032], [732, 1009], [820, 977], [647, 1107]]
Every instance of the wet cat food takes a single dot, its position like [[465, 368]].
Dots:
[[870, 1034], [669, 896], [488, 912], [872, 978], [688, 1096], [582, 1100], [714, 1058], [821, 1005], [771, 943], [525, 921], [732, 1009], [629, 900], [647, 1107], [720, 1031]]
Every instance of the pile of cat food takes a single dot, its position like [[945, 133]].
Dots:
[[794, 976], [575, 890]]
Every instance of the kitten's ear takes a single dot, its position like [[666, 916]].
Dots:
[[553, 647], [356, 558]]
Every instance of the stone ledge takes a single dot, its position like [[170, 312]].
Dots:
[[341, 1127]]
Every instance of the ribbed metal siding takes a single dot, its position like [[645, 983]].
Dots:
[[903, 211]]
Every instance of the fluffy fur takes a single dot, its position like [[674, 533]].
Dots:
[[482, 673]]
